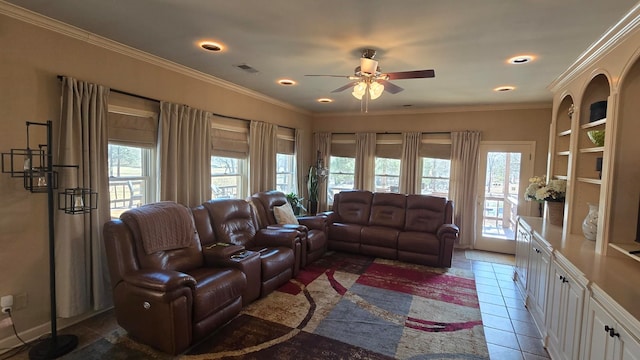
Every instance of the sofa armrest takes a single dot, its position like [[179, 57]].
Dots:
[[330, 215], [301, 228], [277, 237], [318, 222], [447, 230], [159, 280]]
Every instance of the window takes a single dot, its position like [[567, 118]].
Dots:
[[435, 176], [341, 175], [285, 173], [130, 173], [227, 180], [387, 175]]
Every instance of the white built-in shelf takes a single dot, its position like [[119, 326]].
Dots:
[[590, 180], [564, 153], [564, 133], [625, 248], [592, 149], [594, 123]]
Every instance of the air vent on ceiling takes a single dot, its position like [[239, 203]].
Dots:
[[247, 68]]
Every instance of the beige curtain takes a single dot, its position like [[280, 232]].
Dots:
[[82, 276], [300, 170], [463, 183], [322, 143], [185, 154], [263, 138], [409, 167], [365, 161]]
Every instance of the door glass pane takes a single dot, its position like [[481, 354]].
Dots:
[[501, 195]]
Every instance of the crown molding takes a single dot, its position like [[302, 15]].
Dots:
[[607, 42], [443, 109], [59, 27]]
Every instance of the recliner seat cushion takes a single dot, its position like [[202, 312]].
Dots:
[[215, 289]]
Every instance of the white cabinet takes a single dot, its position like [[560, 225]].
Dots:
[[523, 243], [565, 305], [605, 338], [538, 278]]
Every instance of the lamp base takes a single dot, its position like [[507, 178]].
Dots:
[[53, 349]]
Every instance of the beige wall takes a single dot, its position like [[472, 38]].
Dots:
[[32, 57]]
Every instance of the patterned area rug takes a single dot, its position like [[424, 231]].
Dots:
[[350, 307]]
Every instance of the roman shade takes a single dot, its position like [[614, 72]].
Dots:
[[229, 137], [132, 129]]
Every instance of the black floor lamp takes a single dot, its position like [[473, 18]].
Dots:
[[36, 168]]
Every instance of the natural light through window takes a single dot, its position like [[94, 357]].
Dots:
[[130, 174], [227, 177], [285, 174], [435, 177], [387, 176], [341, 175]]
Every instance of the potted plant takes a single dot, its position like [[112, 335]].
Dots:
[[296, 203]]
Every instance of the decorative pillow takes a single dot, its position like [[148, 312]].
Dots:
[[284, 214]]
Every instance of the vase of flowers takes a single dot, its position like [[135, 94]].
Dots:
[[552, 192]]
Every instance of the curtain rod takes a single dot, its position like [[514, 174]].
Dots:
[[396, 133], [156, 100]]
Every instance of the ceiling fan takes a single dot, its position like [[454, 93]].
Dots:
[[368, 82]]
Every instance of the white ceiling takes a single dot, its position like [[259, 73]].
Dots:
[[467, 42]]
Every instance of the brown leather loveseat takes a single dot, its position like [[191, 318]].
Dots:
[[412, 228]]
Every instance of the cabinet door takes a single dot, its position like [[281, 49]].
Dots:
[[523, 242], [627, 347], [556, 310], [543, 280], [598, 345], [573, 304]]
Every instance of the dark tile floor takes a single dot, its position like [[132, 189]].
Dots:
[[508, 326]]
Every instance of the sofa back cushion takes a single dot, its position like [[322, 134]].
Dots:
[[425, 213], [265, 202], [353, 207], [388, 210], [165, 236], [233, 221]]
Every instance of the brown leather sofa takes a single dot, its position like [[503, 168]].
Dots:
[[412, 228], [164, 293], [313, 229]]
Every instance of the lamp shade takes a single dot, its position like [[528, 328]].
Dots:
[[359, 90], [375, 90]]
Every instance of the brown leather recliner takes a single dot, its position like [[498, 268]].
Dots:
[[233, 221], [164, 295], [313, 229]]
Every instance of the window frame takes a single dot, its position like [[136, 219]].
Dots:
[[241, 174], [149, 176], [334, 173], [292, 175], [422, 177], [376, 175]]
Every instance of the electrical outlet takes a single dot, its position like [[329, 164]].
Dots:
[[6, 303]]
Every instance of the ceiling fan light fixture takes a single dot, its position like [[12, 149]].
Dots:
[[375, 90], [359, 90]]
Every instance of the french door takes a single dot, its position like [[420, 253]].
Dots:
[[503, 175]]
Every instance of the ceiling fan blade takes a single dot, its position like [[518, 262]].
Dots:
[[390, 87], [345, 87], [415, 74]]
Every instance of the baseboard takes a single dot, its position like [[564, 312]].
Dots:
[[37, 332]]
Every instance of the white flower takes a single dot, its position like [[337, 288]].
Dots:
[[540, 190]]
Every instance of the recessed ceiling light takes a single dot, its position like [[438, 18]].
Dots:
[[286, 82], [211, 46], [325, 100], [520, 59], [504, 88]]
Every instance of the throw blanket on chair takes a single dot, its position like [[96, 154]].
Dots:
[[163, 226]]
